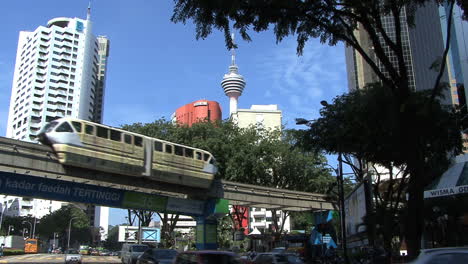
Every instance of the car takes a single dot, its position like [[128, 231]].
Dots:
[[73, 256], [157, 255], [207, 257], [277, 258], [93, 252], [279, 250], [105, 252], [131, 252], [448, 255]]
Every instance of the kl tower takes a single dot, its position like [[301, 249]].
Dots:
[[233, 83]]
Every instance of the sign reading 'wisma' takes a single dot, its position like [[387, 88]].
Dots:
[[446, 191]]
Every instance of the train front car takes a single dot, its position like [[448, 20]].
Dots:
[[61, 135], [59, 131]]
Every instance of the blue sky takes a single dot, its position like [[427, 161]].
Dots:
[[156, 66]]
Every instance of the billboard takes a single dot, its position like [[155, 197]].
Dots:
[[355, 211], [129, 234]]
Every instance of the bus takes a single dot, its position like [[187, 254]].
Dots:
[[31, 246]]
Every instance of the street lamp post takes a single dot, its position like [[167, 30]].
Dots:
[[342, 207], [10, 228], [69, 231], [4, 207], [30, 225], [55, 242]]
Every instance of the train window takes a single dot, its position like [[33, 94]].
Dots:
[[128, 139], [199, 155], [89, 129], [178, 150], [64, 127], [102, 132], [77, 126], [115, 135], [206, 156], [49, 126], [158, 146], [168, 149], [139, 141], [189, 153]]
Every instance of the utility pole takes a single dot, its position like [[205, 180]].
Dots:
[[139, 229], [342, 208]]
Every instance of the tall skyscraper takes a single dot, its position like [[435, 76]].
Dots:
[[197, 111], [422, 45], [60, 71], [457, 60]]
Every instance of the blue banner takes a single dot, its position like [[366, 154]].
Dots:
[[37, 187], [60, 190]]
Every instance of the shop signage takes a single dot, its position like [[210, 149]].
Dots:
[[446, 191]]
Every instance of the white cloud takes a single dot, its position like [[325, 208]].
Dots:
[[303, 81]]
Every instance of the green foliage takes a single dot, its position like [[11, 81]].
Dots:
[[416, 138], [58, 222], [112, 241], [225, 232], [368, 124], [302, 221]]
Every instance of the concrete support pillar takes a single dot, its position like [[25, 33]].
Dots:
[[206, 233]]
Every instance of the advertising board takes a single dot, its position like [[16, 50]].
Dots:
[[355, 211]]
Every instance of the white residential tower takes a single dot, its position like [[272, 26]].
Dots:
[[60, 71]]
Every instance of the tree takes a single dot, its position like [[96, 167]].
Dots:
[[168, 225], [335, 21], [364, 124], [238, 152], [112, 241], [58, 221]]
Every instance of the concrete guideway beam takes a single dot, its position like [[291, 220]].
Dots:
[[273, 198]]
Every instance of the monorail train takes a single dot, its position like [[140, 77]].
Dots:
[[95, 146]]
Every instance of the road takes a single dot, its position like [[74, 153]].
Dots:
[[54, 258]]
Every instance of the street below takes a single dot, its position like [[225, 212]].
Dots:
[[56, 258]]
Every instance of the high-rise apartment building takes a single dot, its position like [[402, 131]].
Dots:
[[422, 45], [60, 71], [197, 111]]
